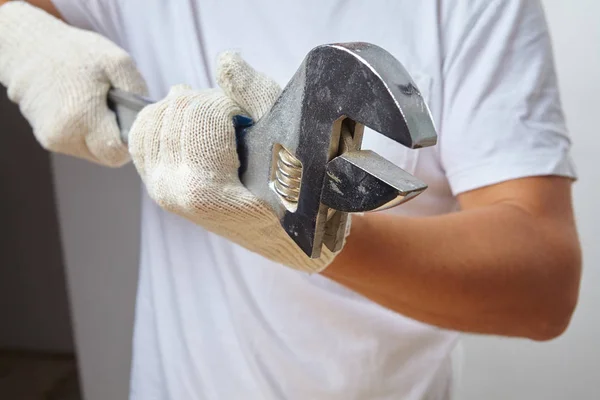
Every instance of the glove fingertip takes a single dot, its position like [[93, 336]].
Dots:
[[229, 64], [105, 143], [252, 90]]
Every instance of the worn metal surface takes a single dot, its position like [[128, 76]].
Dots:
[[318, 122], [360, 181]]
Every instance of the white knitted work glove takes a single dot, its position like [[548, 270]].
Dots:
[[60, 76], [184, 148]]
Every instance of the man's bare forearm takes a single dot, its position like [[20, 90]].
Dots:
[[495, 269]]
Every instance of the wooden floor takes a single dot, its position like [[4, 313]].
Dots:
[[31, 376]]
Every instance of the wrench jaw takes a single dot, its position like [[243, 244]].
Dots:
[[385, 98], [319, 120], [363, 181]]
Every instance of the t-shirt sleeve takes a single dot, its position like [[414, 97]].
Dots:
[[101, 16], [502, 116]]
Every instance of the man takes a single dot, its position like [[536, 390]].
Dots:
[[491, 247]]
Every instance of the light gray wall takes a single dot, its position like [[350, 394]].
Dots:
[[567, 368], [99, 216], [34, 310]]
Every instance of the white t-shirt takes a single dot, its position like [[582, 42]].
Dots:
[[215, 321]]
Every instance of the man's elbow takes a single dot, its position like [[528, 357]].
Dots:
[[557, 305], [552, 326]]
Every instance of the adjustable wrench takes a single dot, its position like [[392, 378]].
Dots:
[[303, 157]]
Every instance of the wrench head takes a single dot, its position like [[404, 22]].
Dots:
[[338, 89]]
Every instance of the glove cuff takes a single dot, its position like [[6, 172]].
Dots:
[[287, 253]]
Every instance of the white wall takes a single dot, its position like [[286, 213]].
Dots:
[[567, 368], [99, 217]]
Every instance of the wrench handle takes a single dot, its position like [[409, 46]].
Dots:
[[241, 123], [126, 107]]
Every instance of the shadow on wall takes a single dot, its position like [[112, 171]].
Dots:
[[34, 311]]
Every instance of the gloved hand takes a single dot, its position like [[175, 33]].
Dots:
[[184, 148], [60, 76]]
